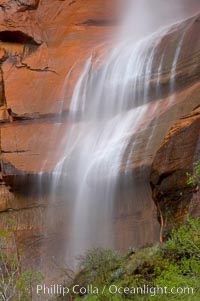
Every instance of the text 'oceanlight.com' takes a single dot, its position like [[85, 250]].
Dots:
[[56, 289]]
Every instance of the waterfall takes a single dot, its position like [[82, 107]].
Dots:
[[111, 105], [108, 107]]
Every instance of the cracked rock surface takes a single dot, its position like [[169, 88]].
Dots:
[[179, 150], [40, 41]]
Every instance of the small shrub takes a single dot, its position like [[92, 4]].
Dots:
[[184, 241], [15, 284], [116, 275], [100, 263], [194, 179], [130, 252]]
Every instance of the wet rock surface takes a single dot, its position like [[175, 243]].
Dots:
[[42, 57], [41, 42], [180, 149]]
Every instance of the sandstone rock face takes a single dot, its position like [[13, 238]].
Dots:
[[171, 193], [40, 42], [43, 48], [42, 57]]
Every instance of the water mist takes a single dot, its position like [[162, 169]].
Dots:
[[111, 105]]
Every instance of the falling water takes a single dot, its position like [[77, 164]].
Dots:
[[110, 104]]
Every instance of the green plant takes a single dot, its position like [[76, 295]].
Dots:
[[194, 178], [181, 260], [175, 264], [116, 275], [184, 241], [26, 283], [15, 284], [130, 252], [100, 263]]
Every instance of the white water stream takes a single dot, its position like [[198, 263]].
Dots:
[[109, 105]]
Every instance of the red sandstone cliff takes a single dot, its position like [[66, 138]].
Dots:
[[40, 42], [37, 53], [180, 149]]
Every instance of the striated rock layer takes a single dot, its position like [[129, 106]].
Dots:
[[39, 68], [180, 149], [41, 41], [43, 48]]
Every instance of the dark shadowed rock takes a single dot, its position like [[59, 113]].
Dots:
[[179, 150]]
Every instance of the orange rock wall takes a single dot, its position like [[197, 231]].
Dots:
[[174, 159], [40, 43]]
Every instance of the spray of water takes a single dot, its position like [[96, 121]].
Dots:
[[109, 106]]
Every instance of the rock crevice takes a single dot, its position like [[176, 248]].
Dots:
[[173, 196]]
